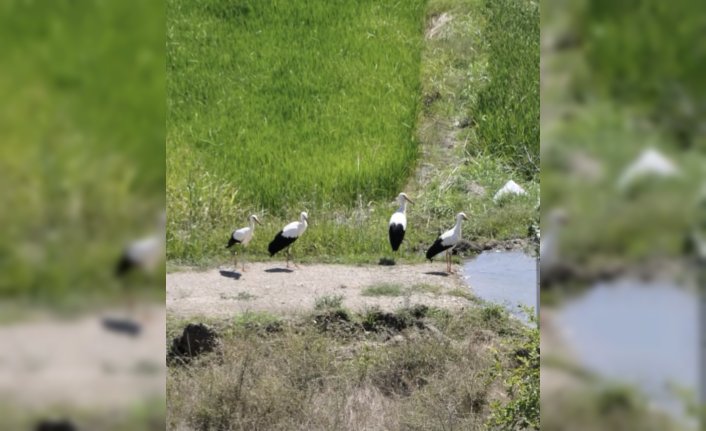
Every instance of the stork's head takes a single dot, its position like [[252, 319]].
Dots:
[[255, 219], [304, 216], [461, 216], [402, 198]]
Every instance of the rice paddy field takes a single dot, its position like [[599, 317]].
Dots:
[[82, 154], [275, 107]]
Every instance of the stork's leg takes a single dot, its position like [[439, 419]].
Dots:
[[448, 262], [235, 261], [451, 270], [243, 260], [294, 263], [287, 257]]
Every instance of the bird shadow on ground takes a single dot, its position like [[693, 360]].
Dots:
[[386, 261], [272, 270], [438, 273], [122, 326], [230, 274]]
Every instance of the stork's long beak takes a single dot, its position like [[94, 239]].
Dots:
[[409, 200], [258, 222]]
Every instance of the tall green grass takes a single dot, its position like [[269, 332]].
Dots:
[[275, 108], [82, 154], [293, 101], [643, 53], [507, 108]]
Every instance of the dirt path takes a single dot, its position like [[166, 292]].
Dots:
[[80, 363], [268, 287]]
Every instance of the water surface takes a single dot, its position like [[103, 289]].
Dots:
[[508, 278], [643, 334]]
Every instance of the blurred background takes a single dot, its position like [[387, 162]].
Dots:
[[82, 169], [623, 185]]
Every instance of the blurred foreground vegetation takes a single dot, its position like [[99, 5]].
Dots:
[[622, 77], [82, 154]]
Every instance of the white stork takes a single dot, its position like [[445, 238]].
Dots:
[[398, 222], [446, 241], [243, 236], [145, 253], [288, 235]]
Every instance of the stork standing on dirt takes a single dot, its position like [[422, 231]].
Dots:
[[145, 253], [288, 235], [242, 236], [398, 222], [142, 255], [446, 241]]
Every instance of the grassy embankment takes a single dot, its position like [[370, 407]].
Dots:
[[276, 107], [329, 369], [82, 154]]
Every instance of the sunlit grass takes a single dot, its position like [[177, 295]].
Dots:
[[276, 108], [82, 154]]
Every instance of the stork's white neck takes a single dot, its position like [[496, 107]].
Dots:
[[457, 227], [403, 207], [252, 224]]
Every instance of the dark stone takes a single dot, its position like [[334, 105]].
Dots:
[[376, 320], [490, 244], [468, 247], [196, 339], [337, 322], [419, 311], [565, 41], [431, 98], [465, 122], [55, 425]]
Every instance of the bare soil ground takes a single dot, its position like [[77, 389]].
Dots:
[[79, 363], [272, 288]]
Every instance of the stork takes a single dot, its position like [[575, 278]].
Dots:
[[398, 222], [243, 236], [145, 253], [446, 241], [288, 235]]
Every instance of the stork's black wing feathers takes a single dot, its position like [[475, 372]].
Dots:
[[125, 264], [279, 243], [396, 235], [436, 248], [232, 241]]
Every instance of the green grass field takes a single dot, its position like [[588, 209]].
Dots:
[[275, 107], [82, 154], [293, 102]]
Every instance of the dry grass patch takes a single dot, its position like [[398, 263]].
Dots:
[[419, 368]]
